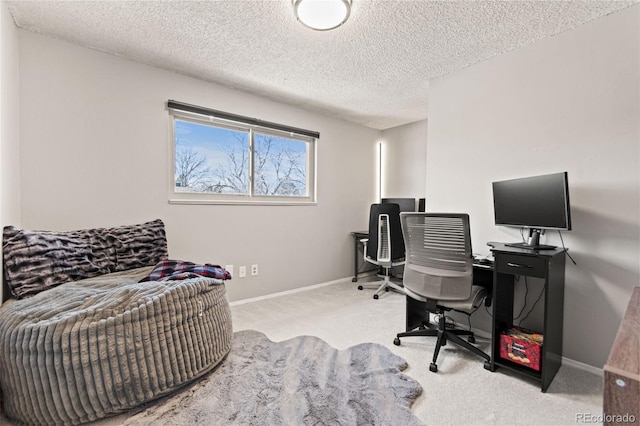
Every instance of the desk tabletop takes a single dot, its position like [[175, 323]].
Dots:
[[482, 265], [497, 247]]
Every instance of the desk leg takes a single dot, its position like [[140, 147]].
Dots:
[[355, 259], [417, 314], [502, 311]]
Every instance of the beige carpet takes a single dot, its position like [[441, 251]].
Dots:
[[462, 392]]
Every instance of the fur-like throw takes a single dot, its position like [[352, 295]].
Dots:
[[300, 381], [38, 260]]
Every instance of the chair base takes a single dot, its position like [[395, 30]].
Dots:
[[444, 335], [382, 286]]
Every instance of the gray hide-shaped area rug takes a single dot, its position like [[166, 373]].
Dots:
[[301, 381]]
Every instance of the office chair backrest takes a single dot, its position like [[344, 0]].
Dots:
[[384, 238], [439, 263], [390, 222]]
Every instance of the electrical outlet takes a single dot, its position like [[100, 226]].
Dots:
[[254, 269], [242, 272], [229, 269]]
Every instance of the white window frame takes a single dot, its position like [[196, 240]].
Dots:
[[176, 197]]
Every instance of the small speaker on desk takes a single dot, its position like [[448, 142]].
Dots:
[[422, 205]]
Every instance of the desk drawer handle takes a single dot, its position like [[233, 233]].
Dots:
[[518, 265]]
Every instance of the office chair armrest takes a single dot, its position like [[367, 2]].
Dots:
[[364, 242]]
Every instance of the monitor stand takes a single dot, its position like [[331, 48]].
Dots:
[[533, 243]]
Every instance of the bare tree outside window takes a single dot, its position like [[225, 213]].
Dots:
[[232, 175], [191, 169], [280, 166], [217, 160]]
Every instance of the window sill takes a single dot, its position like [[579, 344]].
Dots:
[[244, 202]]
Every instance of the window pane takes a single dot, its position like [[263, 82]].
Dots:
[[280, 166], [211, 159]]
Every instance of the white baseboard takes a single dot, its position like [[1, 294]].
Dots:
[[582, 366], [293, 291]]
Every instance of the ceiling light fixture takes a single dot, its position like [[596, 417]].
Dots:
[[322, 15]]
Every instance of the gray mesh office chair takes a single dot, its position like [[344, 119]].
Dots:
[[439, 272], [385, 245]]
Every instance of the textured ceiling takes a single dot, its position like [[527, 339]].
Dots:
[[374, 70]]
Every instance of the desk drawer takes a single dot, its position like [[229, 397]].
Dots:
[[515, 264]]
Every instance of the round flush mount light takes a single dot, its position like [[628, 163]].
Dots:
[[322, 15]]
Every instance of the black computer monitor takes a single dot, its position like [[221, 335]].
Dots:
[[536, 202], [406, 204]]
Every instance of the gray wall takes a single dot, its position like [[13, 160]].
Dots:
[[95, 140], [404, 150], [566, 103], [9, 123]]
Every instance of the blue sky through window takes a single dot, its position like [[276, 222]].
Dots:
[[223, 154], [210, 142]]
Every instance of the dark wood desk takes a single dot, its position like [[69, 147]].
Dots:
[[510, 262]]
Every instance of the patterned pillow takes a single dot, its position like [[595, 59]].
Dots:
[[38, 260], [103, 247], [139, 245], [35, 261]]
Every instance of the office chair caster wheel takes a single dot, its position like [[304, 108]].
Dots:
[[386, 289], [471, 339], [360, 287], [375, 296], [433, 367], [396, 341]]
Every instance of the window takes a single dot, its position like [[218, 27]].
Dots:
[[239, 160]]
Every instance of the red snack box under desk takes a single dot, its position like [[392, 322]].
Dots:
[[521, 346]]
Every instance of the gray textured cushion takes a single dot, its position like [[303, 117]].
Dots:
[[38, 260], [88, 349]]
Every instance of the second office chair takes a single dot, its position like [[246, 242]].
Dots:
[[385, 245]]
